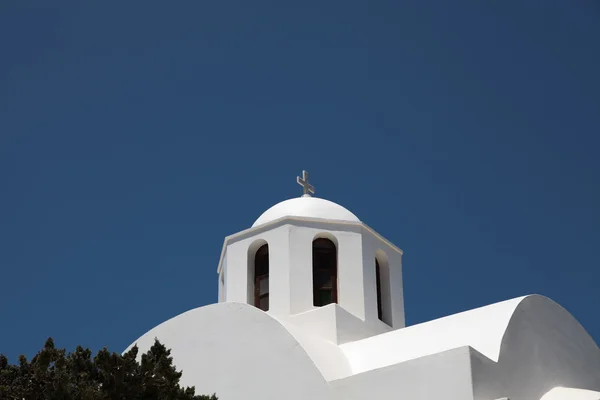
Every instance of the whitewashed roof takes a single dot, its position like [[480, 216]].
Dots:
[[306, 206], [481, 328]]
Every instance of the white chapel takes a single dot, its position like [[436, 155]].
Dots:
[[311, 306]]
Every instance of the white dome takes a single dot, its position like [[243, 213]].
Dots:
[[311, 207]]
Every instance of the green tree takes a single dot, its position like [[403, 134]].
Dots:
[[52, 374]]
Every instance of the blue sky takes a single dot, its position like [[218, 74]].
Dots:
[[135, 136]]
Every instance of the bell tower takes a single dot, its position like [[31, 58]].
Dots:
[[314, 265]]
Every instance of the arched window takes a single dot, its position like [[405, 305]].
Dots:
[[324, 272], [378, 279], [384, 299], [261, 278]]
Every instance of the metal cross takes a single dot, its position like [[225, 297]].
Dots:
[[307, 187]]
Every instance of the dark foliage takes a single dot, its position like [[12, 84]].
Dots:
[[55, 375]]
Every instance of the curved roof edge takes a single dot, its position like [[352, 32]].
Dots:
[[327, 358], [481, 328], [564, 393], [306, 206]]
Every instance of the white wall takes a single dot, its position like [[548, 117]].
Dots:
[[562, 393], [392, 290], [334, 324], [347, 240], [543, 347], [290, 251], [444, 376], [221, 292], [239, 352], [397, 290], [529, 346], [239, 284], [481, 328]]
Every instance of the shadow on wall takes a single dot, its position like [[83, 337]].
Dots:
[[543, 347]]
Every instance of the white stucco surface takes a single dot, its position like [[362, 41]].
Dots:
[[531, 344], [290, 272], [481, 329], [542, 347], [562, 393], [444, 376], [311, 207], [527, 348], [238, 352]]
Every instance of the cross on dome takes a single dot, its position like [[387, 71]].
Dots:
[[307, 187]]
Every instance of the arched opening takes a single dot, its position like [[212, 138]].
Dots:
[[384, 299], [261, 278], [378, 279], [324, 257]]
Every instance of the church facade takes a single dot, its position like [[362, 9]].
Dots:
[[311, 306]]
